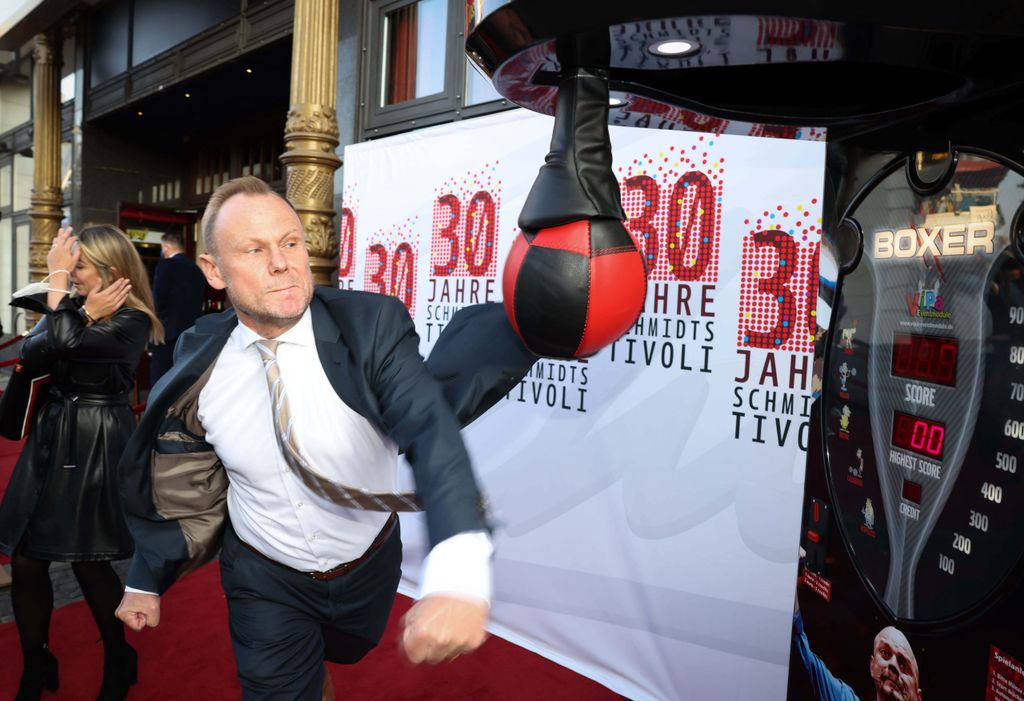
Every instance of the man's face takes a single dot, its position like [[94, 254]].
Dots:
[[894, 667], [262, 262]]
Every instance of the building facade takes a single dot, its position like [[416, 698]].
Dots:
[[134, 111]]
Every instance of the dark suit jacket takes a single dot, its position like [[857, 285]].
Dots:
[[173, 483], [178, 290]]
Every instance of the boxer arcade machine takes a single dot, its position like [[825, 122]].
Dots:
[[914, 494]]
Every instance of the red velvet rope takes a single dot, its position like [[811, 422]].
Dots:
[[11, 342]]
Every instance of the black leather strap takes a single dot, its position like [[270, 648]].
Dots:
[[576, 181]]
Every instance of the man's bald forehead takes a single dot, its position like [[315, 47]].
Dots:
[[894, 636], [247, 186], [895, 639]]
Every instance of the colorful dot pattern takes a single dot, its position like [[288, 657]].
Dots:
[[347, 241], [778, 282], [465, 225], [348, 223], [390, 262], [673, 204]]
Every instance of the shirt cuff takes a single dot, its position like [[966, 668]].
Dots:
[[133, 590], [459, 566]]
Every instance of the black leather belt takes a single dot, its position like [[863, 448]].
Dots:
[[73, 400], [83, 399], [345, 567]]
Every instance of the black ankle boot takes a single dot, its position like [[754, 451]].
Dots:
[[39, 672], [120, 671]]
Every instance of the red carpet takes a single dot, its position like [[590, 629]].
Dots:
[[189, 656]]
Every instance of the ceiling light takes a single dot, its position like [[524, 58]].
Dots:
[[674, 48]]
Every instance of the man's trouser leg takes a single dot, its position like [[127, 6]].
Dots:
[[280, 619]]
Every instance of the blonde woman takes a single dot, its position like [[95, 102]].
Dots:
[[63, 500]]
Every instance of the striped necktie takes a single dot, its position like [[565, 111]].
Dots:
[[286, 439]]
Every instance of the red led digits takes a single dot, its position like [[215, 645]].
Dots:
[[921, 436], [924, 358]]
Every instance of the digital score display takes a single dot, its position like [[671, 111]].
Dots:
[[921, 436], [924, 358]]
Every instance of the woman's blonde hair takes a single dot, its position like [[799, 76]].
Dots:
[[112, 252]]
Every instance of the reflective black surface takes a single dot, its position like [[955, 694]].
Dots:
[[934, 522], [847, 66]]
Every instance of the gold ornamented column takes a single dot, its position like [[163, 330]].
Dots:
[[47, 200], [311, 132]]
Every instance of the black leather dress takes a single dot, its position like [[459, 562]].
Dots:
[[63, 502]]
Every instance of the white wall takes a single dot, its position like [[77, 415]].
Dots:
[[23, 170], [6, 274], [15, 104], [21, 236]]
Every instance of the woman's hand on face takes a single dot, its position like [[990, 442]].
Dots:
[[104, 303], [64, 252]]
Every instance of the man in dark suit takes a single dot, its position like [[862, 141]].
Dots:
[[278, 429], [178, 290]]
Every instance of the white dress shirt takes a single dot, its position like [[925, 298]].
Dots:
[[270, 507]]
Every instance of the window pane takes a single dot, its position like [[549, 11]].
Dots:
[[67, 71], [159, 24], [109, 41], [65, 164], [414, 51], [478, 87], [67, 88]]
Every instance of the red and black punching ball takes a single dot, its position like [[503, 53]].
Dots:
[[575, 279]]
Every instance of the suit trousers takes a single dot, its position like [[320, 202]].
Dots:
[[284, 624]]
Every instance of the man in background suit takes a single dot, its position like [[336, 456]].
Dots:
[[178, 290], [307, 576]]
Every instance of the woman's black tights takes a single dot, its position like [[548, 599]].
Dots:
[[32, 600]]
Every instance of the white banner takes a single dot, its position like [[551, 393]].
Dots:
[[648, 498]]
